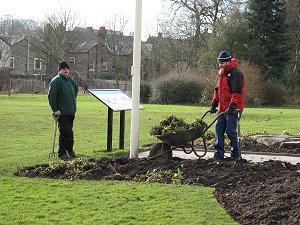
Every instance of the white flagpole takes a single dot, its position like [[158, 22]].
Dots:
[[135, 117]]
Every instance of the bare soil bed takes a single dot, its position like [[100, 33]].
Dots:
[[250, 145], [252, 193]]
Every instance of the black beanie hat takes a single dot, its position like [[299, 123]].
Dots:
[[224, 57], [63, 64]]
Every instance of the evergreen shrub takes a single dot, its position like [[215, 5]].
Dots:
[[145, 91], [177, 89]]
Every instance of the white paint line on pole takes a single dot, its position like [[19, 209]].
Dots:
[[135, 116]]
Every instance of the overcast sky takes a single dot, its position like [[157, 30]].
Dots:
[[93, 13]]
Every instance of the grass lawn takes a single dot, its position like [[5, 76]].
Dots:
[[26, 132]]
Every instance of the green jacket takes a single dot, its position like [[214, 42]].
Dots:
[[62, 94]]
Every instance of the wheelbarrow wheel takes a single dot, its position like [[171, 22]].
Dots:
[[161, 152]]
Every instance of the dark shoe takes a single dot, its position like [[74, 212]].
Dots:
[[72, 154], [216, 158], [235, 157], [63, 157]]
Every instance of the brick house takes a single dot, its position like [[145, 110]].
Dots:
[[20, 60], [97, 54], [105, 52], [4, 52]]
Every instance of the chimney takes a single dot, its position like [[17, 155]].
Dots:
[[47, 29], [102, 32]]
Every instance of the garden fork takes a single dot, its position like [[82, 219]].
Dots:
[[53, 155]]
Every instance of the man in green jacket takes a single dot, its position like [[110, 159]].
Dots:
[[62, 96]]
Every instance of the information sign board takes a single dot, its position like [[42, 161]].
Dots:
[[115, 99]]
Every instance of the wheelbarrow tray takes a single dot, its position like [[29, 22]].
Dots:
[[182, 137]]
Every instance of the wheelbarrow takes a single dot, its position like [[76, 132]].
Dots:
[[162, 151]]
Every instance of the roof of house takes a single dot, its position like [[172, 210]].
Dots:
[[87, 38], [115, 42], [11, 40]]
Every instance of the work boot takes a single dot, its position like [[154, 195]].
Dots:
[[63, 157], [235, 157], [216, 158], [218, 155], [72, 154]]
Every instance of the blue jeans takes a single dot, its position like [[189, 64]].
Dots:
[[226, 123]]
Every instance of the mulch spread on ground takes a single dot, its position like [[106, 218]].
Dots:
[[252, 193]]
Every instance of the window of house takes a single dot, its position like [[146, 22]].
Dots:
[[92, 66], [12, 62], [104, 68], [37, 64], [72, 60]]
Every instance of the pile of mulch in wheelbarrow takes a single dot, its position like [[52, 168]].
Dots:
[[252, 193]]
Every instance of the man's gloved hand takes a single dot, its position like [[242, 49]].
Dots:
[[213, 108], [231, 109]]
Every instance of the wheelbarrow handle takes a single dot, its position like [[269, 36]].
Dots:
[[212, 122], [238, 113], [205, 114], [208, 111]]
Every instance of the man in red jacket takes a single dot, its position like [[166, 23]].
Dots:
[[229, 96]]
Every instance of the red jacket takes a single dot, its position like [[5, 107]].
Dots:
[[230, 89]]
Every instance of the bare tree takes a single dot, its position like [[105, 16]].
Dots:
[[11, 31], [293, 7], [5, 40], [53, 41], [186, 32], [14, 45], [119, 45], [170, 53], [198, 16]]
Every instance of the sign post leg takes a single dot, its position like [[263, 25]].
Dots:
[[122, 129], [109, 129]]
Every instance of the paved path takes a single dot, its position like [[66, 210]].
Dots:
[[250, 156]]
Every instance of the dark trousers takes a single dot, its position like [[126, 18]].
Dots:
[[66, 136]]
